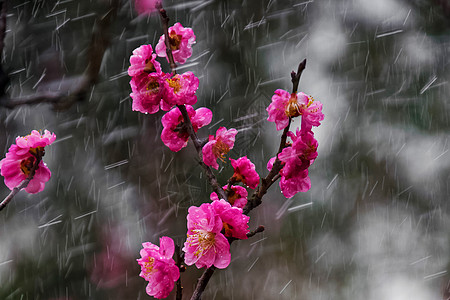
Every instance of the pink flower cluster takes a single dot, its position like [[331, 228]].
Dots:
[[175, 134], [297, 157], [208, 228], [285, 106], [212, 226], [158, 267], [21, 157], [152, 89]]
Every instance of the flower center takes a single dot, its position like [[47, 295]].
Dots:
[[228, 229], [174, 40], [149, 67], [292, 109], [152, 87], [232, 197], [220, 149], [238, 177], [26, 165], [204, 239], [175, 84], [37, 152], [148, 265]]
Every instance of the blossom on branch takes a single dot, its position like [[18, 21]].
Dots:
[[285, 105], [237, 195], [158, 267], [218, 146], [175, 134], [180, 89], [21, 157], [244, 171], [180, 39], [296, 159], [235, 224], [205, 245], [143, 60], [147, 91]]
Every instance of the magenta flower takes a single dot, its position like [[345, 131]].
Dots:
[[285, 106], [175, 135], [20, 159], [299, 183], [180, 89], [145, 7], [205, 245], [158, 267], [296, 160], [218, 146], [180, 40], [310, 110], [147, 91], [244, 171], [143, 60], [237, 196], [235, 223]]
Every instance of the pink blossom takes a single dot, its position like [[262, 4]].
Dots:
[[180, 89], [143, 60], [270, 163], [145, 7], [296, 160], [205, 245], [244, 171], [218, 146], [21, 157], [158, 267], [175, 135], [237, 196], [147, 91], [180, 40], [310, 110], [235, 223], [299, 183], [285, 106]]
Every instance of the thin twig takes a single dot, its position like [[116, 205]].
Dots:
[[187, 121], [198, 146], [165, 24], [266, 182], [257, 230], [202, 282], [63, 99], [256, 198], [179, 265], [23, 184]]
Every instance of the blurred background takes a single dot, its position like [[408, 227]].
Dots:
[[375, 224]]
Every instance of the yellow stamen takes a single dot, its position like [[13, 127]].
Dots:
[[174, 40], [175, 84]]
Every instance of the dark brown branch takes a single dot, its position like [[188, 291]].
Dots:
[[187, 121], [165, 24], [266, 183], [295, 77], [23, 184], [198, 146], [257, 230], [63, 99], [207, 274], [202, 282], [181, 267]]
